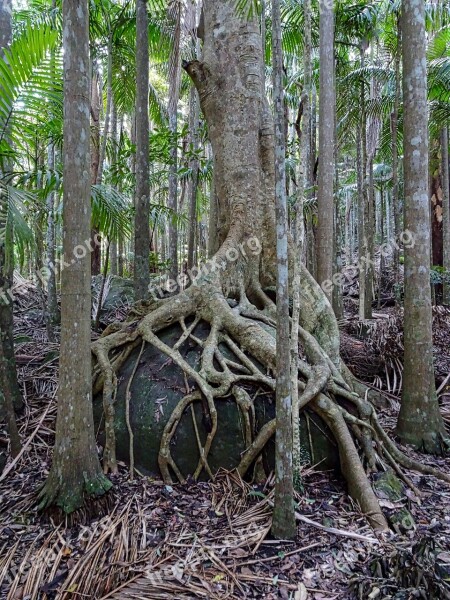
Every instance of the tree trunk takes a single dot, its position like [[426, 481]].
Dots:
[[7, 398], [96, 256], [436, 201], [325, 199], [104, 137], [283, 525], [7, 255], [121, 258], [52, 300], [348, 229], [114, 243], [338, 300], [10, 397], [75, 471], [446, 214], [213, 223], [142, 197], [311, 257], [193, 186], [174, 96], [395, 161], [365, 282], [419, 422], [382, 257], [53, 314], [303, 127]]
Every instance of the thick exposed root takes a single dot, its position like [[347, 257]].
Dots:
[[240, 350]]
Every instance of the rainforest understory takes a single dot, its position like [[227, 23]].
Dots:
[[231, 296]]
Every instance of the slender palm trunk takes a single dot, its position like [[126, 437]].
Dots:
[[96, 256], [325, 200], [194, 126], [311, 257], [113, 245], [213, 238], [6, 255], [436, 197], [419, 422], [338, 301], [9, 389], [348, 229], [52, 300], [365, 282], [283, 525], [121, 258], [303, 130], [7, 398], [174, 96], [76, 470], [102, 287], [142, 198], [446, 213], [395, 163], [104, 139], [382, 258]]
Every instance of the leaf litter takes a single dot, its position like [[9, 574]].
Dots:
[[207, 539]]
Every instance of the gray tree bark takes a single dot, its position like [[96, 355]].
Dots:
[[142, 196], [193, 185], [327, 104], [75, 471], [9, 390], [303, 130], [446, 213], [104, 137], [395, 161], [6, 255], [283, 524], [114, 243], [96, 256], [174, 96], [52, 299], [365, 281], [420, 423]]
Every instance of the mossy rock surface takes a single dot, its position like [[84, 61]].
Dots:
[[118, 292], [388, 485], [157, 387]]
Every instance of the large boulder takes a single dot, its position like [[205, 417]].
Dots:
[[117, 297], [156, 388]]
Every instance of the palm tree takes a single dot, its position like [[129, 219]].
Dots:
[[325, 192], [76, 470], [419, 421], [8, 377], [446, 212], [174, 93], [283, 525], [142, 199]]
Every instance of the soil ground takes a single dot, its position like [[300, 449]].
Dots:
[[212, 540]]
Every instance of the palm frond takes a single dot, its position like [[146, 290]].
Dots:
[[28, 84], [110, 212]]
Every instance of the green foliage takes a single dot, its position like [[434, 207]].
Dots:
[[110, 212], [15, 233], [30, 87]]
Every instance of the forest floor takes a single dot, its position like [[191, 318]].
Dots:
[[212, 540]]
